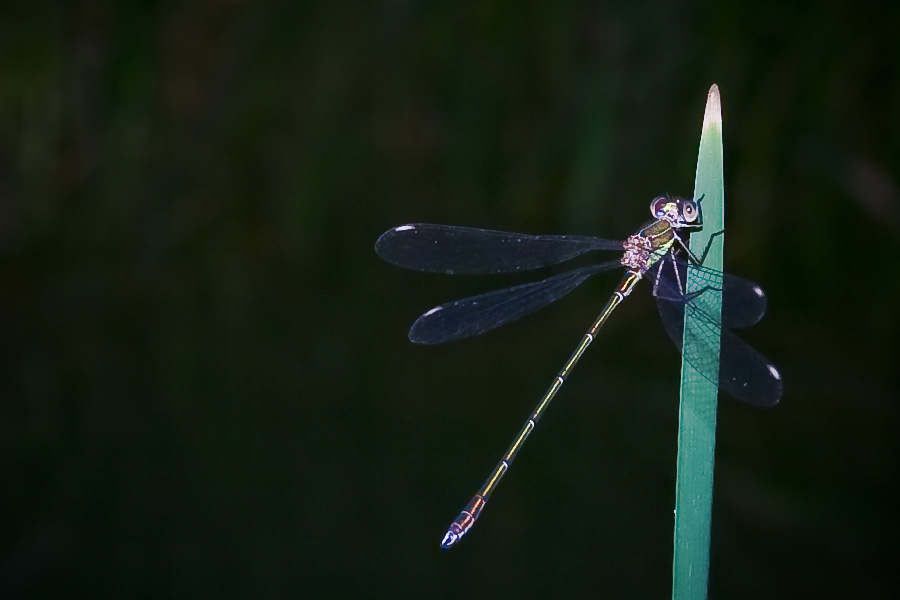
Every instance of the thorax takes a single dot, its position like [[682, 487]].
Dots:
[[647, 246]]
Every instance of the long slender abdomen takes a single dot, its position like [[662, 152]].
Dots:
[[466, 519]]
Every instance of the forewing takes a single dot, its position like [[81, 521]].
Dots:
[[465, 250]]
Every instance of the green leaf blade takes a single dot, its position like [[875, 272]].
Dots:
[[699, 396]]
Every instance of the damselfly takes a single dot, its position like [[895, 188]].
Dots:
[[654, 252]]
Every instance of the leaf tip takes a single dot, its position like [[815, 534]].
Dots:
[[713, 114]]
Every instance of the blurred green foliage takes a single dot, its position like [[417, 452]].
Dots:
[[205, 386]]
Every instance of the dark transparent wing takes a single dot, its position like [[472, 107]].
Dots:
[[464, 250], [743, 302], [478, 314], [743, 373]]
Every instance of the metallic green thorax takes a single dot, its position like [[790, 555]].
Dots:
[[646, 247]]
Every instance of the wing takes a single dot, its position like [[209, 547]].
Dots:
[[478, 314], [735, 366], [464, 250], [743, 302]]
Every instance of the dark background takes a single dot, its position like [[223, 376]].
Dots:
[[207, 390]]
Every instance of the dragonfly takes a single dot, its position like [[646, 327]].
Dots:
[[656, 252]]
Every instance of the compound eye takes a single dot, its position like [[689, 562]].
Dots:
[[689, 211], [657, 207]]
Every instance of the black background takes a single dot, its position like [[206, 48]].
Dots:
[[207, 390]]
